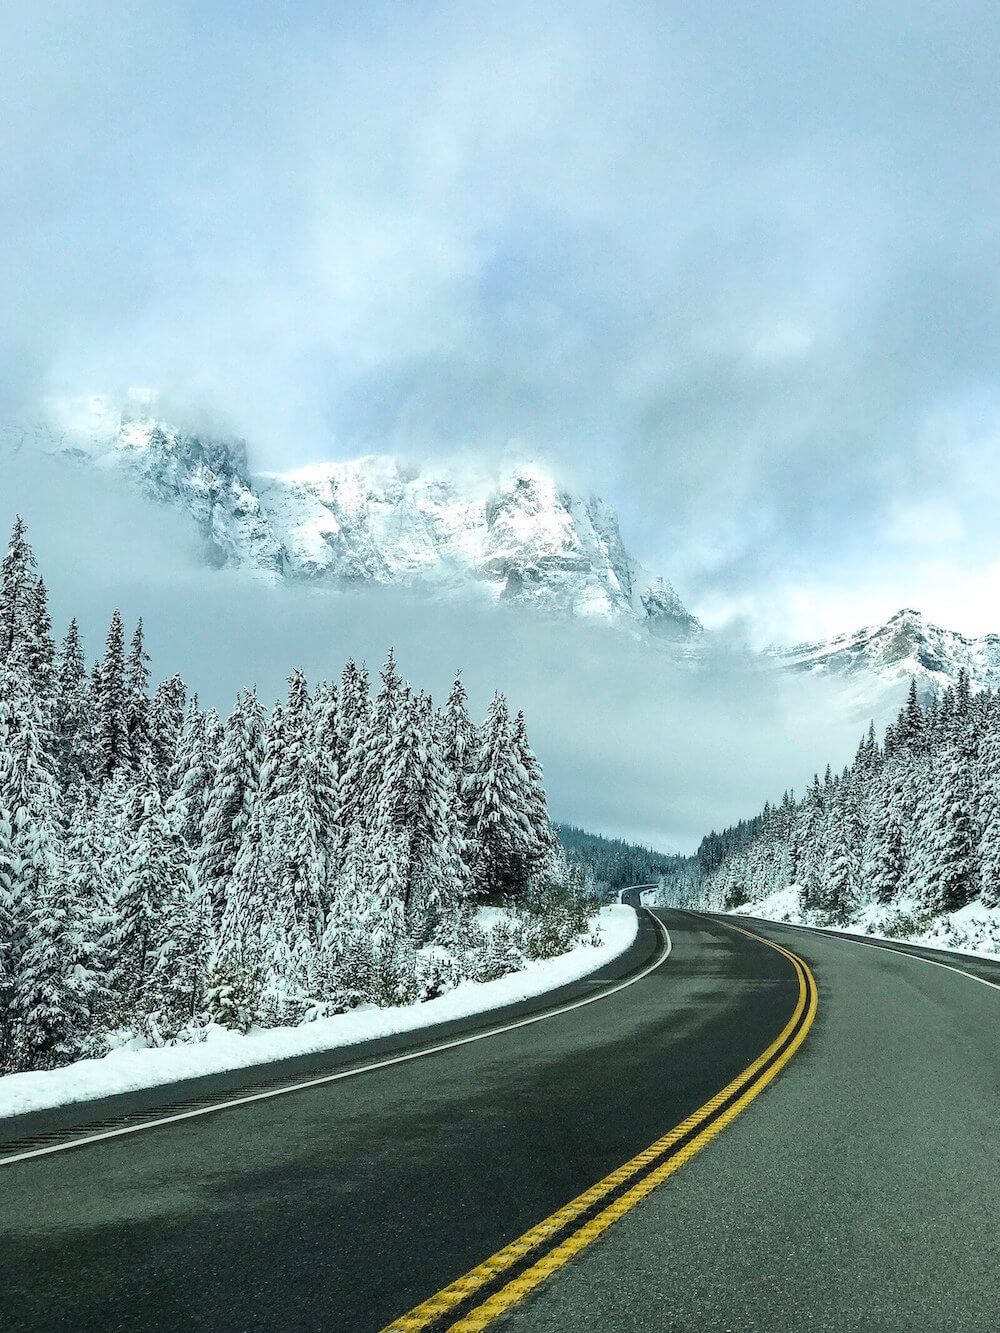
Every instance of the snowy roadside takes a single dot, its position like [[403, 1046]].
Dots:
[[973, 929], [128, 1070]]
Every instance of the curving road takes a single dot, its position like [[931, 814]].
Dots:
[[859, 1190]]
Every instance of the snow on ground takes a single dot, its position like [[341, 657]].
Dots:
[[973, 929], [125, 1070]]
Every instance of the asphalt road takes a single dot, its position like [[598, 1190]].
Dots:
[[861, 1193], [859, 1190]]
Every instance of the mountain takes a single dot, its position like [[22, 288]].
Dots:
[[515, 535], [878, 659]]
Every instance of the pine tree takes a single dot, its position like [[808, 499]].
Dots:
[[166, 727], [460, 742], [54, 988], [383, 721], [353, 796], [73, 714], [155, 872], [439, 879], [192, 775], [910, 727], [840, 881], [180, 967], [293, 830], [988, 812], [39, 650], [243, 938], [11, 942], [886, 863], [950, 876], [29, 791], [137, 704], [112, 741], [18, 597], [229, 799], [539, 838], [327, 767], [497, 828]]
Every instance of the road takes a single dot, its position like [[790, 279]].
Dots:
[[859, 1189]]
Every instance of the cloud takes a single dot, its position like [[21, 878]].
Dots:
[[736, 267], [631, 744]]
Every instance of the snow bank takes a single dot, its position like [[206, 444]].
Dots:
[[127, 1070], [973, 929]]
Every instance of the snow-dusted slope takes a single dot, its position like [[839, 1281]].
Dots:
[[515, 535], [886, 656]]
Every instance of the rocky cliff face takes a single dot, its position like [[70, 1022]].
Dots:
[[515, 536], [906, 645]]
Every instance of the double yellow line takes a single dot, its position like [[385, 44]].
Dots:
[[480, 1307]]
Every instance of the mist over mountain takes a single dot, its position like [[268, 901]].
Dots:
[[634, 741], [512, 533], [873, 666]]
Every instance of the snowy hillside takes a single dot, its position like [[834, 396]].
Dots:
[[875, 664], [904, 843], [515, 535]]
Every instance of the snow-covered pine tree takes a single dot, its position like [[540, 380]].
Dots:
[[400, 789], [18, 602], [540, 839], [812, 830], [439, 879], [885, 862], [137, 703], [166, 727], [73, 715], [39, 649], [326, 782], [293, 817], [244, 944], [35, 900], [950, 878], [112, 741], [459, 741], [988, 811], [383, 720], [497, 829], [11, 941], [840, 882], [230, 797], [54, 987], [910, 730], [353, 797], [29, 791], [179, 971], [192, 775], [155, 870]]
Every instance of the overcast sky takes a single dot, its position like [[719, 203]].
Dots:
[[736, 265]]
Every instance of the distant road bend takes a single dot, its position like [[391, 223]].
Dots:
[[506, 1168]]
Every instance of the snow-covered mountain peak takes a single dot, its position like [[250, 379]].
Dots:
[[907, 644], [511, 533]]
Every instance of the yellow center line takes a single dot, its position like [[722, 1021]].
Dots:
[[437, 1306]]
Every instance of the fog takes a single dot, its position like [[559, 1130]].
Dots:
[[632, 744]]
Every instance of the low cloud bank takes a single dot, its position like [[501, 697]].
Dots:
[[633, 743]]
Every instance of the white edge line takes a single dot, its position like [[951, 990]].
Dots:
[[870, 944], [351, 1073]]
